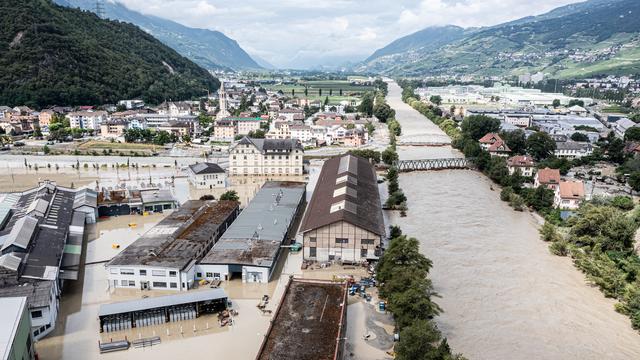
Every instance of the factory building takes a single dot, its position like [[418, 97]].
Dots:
[[250, 248], [41, 246], [165, 257], [344, 218]]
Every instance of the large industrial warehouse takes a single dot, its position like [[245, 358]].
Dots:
[[250, 248]]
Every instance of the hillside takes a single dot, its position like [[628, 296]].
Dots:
[[595, 37], [209, 49], [51, 54]]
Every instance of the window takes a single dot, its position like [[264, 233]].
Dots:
[[363, 253], [312, 252], [158, 273], [36, 314], [113, 271], [159, 284], [173, 285], [216, 275], [199, 275], [132, 283], [312, 239], [209, 274], [124, 283], [143, 272], [173, 273], [342, 241], [126, 271], [367, 241]]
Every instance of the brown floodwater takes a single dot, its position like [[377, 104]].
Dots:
[[503, 294]]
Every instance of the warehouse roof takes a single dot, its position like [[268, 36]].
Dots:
[[255, 236], [179, 238], [206, 168], [347, 190], [161, 301]]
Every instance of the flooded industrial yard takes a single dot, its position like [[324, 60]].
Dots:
[[504, 295]]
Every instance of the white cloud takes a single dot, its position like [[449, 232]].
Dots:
[[302, 33]]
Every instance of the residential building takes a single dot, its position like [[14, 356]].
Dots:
[[224, 130], [42, 247], [90, 120], [113, 128], [207, 176], [520, 120], [291, 114], [344, 218], [488, 140], [251, 247], [165, 257], [171, 108], [522, 163], [302, 133], [16, 341], [132, 104], [573, 149], [45, 117], [550, 178], [569, 195], [266, 157]]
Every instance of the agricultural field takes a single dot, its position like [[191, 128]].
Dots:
[[337, 90]]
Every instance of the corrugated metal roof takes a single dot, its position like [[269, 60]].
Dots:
[[11, 310], [10, 261], [21, 233], [161, 301]]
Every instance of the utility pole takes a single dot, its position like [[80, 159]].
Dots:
[[100, 9]]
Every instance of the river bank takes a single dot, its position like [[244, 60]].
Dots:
[[504, 295]]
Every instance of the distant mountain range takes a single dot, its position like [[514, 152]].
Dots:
[[210, 49], [583, 39], [51, 54]]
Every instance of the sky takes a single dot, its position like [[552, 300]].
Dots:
[[301, 34]]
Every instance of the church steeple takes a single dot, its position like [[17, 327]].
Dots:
[[223, 113]]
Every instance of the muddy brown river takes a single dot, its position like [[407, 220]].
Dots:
[[503, 294]]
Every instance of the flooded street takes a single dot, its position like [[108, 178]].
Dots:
[[504, 295]]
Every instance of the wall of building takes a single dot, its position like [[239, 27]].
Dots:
[[247, 160], [134, 277], [328, 249], [255, 274], [22, 345]]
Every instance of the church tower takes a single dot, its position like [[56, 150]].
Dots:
[[223, 113]]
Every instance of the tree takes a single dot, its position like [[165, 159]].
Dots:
[[418, 342], [257, 134], [477, 126], [383, 112], [540, 145], [368, 154], [632, 134], [516, 141], [540, 199], [46, 150], [615, 151], [436, 99], [230, 195], [366, 104], [580, 137], [574, 102], [556, 103], [186, 138], [389, 156], [634, 181]]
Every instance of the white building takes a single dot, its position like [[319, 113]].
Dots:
[[569, 195], [522, 163], [165, 257], [90, 120], [207, 176], [266, 157], [573, 149], [131, 104]]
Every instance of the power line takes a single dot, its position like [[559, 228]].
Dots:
[[100, 9]]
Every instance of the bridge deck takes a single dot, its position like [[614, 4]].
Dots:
[[432, 164]]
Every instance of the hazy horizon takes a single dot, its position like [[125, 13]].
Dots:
[[302, 35]]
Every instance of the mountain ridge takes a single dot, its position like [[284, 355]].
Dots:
[[55, 55], [210, 49], [593, 37]]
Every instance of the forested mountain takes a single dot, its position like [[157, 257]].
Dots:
[[210, 49], [594, 37], [50, 54]]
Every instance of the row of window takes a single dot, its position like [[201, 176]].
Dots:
[[313, 252], [209, 275], [156, 284], [346, 241], [143, 272]]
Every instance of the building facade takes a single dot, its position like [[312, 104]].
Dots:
[[16, 341], [266, 157], [207, 176], [344, 218]]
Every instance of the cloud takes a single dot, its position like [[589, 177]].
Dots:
[[302, 33]]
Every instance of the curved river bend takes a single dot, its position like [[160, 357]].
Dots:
[[504, 295]]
